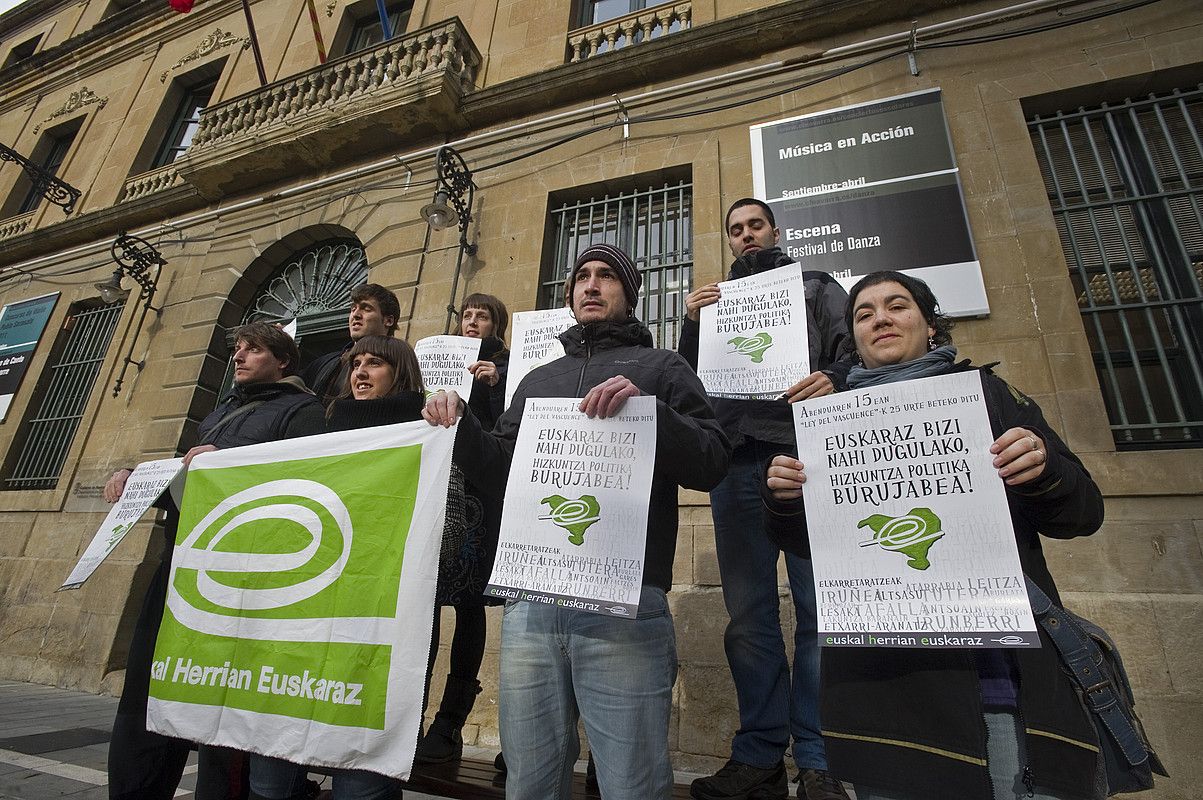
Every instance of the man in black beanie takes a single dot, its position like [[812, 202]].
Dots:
[[773, 705], [559, 663]]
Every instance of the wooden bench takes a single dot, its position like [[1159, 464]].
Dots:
[[472, 779]]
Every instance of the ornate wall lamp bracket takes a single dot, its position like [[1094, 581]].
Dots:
[[452, 205], [138, 259]]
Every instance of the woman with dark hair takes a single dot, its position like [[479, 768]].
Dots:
[[384, 387], [484, 317], [955, 723]]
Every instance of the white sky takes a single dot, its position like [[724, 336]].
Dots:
[[5, 5]]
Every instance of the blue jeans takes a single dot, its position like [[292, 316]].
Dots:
[[277, 779], [558, 665], [772, 707], [1005, 757]]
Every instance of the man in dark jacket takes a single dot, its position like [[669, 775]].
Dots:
[[772, 707], [267, 403], [557, 663], [374, 312]]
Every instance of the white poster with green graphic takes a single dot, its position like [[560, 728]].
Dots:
[[575, 518], [301, 597], [444, 362], [534, 341], [910, 532], [753, 342], [142, 488]]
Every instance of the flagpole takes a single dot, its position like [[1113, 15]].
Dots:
[[385, 30], [250, 29], [317, 32]]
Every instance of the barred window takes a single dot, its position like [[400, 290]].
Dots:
[[1125, 181], [653, 224], [37, 456]]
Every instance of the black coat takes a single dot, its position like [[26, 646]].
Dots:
[[826, 302], [327, 374], [911, 720], [488, 402], [281, 410], [691, 449]]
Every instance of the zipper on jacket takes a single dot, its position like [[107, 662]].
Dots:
[[580, 381], [1026, 776]]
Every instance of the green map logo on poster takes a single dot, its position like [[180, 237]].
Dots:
[[574, 516], [912, 534], [752, 346], [116, 534]]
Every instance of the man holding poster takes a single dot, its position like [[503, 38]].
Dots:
[[961, 719], [559, 663], [772, 706], [268, 402]]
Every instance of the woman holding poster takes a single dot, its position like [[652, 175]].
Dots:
[[955, 722], [384, 387], [483, 317]]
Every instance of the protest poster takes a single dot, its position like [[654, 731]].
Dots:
[[868, 187], [575, 519], [910, 533], [444, 362], [534, 342], [301, 596], [144, 485], [21, 327], [753, 341]]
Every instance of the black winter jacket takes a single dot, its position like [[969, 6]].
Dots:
[[488, 402], [281, 410], [826, 301], [691, 450], [327, 374], [911, 720]]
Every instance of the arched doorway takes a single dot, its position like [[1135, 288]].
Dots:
[[313, 287]]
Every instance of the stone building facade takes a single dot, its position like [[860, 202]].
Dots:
[[636, 126]]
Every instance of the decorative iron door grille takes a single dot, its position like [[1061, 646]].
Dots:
[[1125, 181], [654, 226]]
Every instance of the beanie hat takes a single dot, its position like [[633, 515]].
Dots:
[[628, 273]]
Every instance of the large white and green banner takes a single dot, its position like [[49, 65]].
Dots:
[[910, 531], [301, 597], [753, 342], [574, 526]]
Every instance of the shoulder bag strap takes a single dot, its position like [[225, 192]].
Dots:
[[1081, 655]]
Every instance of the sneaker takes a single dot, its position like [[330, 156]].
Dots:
[[737, 781], [819, 784]]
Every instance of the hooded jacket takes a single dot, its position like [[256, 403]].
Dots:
[[911, 720], [691, 449], [771, 420]]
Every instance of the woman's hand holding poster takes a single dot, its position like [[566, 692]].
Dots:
[[910, 532], [533, 342], [575, 518], [752, 342], [444, 362]]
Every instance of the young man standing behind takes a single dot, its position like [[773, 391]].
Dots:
[[374, 312], [772, 706]]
